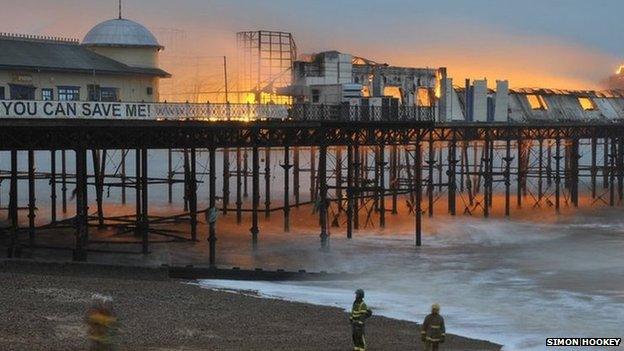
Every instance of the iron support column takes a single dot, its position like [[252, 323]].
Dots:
[[418, 201], [322, 175], [53, 186], [255, 189], [192, 193], [80, 252], [286, 166], [212, 207], [31, 197], [144, 203]]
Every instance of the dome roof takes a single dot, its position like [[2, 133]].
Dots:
[[120, 32]]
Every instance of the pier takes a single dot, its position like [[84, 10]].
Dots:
[[362, 165]]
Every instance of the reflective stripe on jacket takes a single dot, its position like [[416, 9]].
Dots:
[[433, 328], [359, 313]]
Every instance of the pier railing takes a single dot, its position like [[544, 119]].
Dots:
[[209, 111], [361, 113]]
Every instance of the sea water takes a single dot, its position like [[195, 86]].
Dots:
[[512, 281]]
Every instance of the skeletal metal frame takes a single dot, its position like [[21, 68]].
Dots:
[[383, 162]]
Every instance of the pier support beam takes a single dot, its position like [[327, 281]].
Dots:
[[64, 181], [312, 174], [605, 163], [296, 171], [322, 176], [212, 207], [558, 174], [255, 198], [53, 186], [245, 172], [355, 190], [611, 172], [31, 197], [192, 193], [99, 183], [350, 199], [394, 177], [507, 160], [169, 175], [382, 186], [187, 177], [452, 183], [339, 178], [14, 247], [267, 182], [620, 169], [520, 174], [81, 221], [540, 169], [549, 163], [239, 185], [144, 203], [487, 176], [574, 169], [226, 180], [286, 166], [430, 167], [418, 197], [123, 177], [593, 170], [137, 192]]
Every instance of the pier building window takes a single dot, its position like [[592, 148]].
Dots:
[[537, 102], [97, 93], [22, 92], [587, 104], [316, 95], [394, 92], [68, 93], [93, 92], [423, 96], [2, 96], [47, 94], [109, 94]]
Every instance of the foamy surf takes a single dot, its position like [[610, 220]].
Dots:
[[510, 282]]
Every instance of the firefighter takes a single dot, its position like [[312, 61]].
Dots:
[[433, 331], [359, 313], [102, 323]]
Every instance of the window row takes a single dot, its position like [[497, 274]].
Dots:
[[63, 93], [537, 102]]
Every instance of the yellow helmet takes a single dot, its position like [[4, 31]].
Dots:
[[435, 307]]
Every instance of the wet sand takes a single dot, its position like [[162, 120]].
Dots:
[[44, 309]]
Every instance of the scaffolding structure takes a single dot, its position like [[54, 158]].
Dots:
[[265, 60]]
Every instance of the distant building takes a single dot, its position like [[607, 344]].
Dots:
[[334, 77], [116, 61]]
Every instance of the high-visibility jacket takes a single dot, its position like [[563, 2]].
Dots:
[[359, 313], [101, 327], [433, 328]]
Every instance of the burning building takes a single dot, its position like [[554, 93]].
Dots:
[[332, 78]]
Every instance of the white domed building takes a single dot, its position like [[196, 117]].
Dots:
[[125, 41], [116, 61]]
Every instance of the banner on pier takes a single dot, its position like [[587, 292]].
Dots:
[[133, 110]]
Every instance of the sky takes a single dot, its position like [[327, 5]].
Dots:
[[571, 44]]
